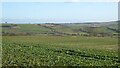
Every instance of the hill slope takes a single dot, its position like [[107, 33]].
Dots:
[[60, 29]]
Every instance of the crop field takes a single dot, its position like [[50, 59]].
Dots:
[[59, 51]]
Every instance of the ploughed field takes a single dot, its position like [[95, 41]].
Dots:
[[59, 51]]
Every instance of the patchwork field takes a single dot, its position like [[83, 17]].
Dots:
[[65, 44], [59, 51], [62, 29]]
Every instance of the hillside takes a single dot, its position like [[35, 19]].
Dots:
[[108, 28]]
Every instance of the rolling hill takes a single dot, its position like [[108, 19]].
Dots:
[[60, 29]]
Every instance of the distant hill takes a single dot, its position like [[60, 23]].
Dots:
[[61, 28]]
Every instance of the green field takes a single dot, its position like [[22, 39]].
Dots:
[[59, 51], [64, 44], [106, 29]]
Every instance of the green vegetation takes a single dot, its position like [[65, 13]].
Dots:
[[59, 51], [73, 44], [100, 29]]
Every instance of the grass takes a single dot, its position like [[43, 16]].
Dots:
[[69, 28], [45, 50], [59, 51], [31, 28]]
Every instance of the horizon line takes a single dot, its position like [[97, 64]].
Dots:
[[55, 22]]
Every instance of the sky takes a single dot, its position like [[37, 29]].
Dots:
[[73, 11], [119, 11], [60, 0]]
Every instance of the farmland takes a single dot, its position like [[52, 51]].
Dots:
[[65, 44], [65, 29], [59, 51]]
